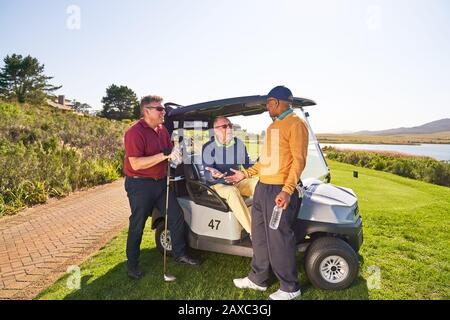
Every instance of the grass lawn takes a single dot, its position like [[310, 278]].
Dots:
[[406, 236]]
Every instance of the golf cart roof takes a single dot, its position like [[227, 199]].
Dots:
[[240, 106]]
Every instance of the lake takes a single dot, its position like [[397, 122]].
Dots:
[[437, 151]]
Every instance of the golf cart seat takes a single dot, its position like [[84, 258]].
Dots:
[[198, 189], [248, 201]]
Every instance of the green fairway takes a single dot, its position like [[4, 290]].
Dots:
[[406, 237]]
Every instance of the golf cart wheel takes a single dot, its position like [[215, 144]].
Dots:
[[162, 240], [331, 264]]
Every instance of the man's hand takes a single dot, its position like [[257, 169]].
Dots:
[[236, 177], [215, 173], [283, 199]]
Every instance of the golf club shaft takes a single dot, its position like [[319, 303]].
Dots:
[[167, 213]]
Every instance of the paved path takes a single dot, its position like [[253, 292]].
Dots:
[[38, 244]]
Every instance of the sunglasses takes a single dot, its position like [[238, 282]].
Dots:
[[160, 109], [224, 126]]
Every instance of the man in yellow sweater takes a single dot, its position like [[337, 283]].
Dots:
[[279, 169]]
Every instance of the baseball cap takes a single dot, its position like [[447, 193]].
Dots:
[[281, 93]]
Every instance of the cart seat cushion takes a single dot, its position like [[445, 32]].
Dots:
[[195, 171], [248, 201]]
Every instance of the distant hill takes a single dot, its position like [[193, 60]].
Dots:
[[431, 127]]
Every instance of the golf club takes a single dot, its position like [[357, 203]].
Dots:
[[167, 277]]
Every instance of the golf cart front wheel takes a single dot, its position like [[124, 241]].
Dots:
[[162, 239], [331, 264]]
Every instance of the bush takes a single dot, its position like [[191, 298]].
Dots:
[[45, 152]]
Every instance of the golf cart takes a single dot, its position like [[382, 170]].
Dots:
[[328, 226]]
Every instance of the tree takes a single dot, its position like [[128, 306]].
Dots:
[[119, 103], [81, 107], [137, 110], [23, 79]]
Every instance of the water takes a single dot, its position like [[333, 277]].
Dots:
[[276, 217], [436, 151]]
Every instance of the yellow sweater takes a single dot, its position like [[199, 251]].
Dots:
[[284, 152]]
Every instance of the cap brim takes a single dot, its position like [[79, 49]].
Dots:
[[269, 96]]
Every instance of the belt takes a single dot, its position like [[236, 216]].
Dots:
[[146, 178]]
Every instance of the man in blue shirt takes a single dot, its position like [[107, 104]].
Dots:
[[222, 153]]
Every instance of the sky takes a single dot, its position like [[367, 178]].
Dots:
[[369, 65]]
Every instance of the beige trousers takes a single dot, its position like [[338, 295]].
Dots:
[[233, 195]]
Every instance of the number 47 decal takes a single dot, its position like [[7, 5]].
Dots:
[[214, 226]]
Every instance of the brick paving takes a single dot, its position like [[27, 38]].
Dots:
[[38, 244]]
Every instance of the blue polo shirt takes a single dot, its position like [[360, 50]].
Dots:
[[224, 157]]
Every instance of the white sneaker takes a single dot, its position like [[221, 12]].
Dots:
[[246, 283], [283, 295]]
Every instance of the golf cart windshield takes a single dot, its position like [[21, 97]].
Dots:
[[201, 116], [316, 166]]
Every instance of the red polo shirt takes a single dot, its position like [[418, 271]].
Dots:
[[143, 141]]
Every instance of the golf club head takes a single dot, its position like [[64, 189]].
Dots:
[[169, 278]]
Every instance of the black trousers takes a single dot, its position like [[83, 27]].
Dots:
[[273, 249], [144, 195]]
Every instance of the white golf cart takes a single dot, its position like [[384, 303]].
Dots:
[[328, 227]]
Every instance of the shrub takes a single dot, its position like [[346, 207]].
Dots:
[[45, 152]]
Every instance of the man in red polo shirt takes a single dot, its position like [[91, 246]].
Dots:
[[145, 168]]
